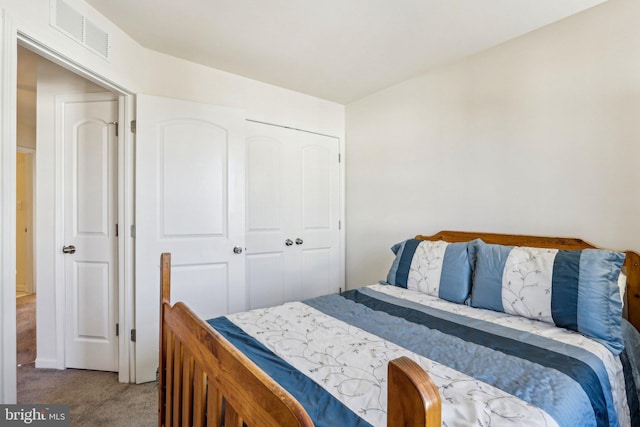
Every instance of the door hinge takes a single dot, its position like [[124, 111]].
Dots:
[[116, 230], [133, 126], [133, 335], [340, 225], [339, 157], [133, 231], [117, 329]]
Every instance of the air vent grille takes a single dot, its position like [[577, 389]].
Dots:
[[78, 27], [96, 39], [70, 21]]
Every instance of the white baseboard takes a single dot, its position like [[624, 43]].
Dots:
[[21, 287], [48, 364]]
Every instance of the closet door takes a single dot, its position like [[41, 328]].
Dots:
[[292, 215], [268, 207], [315, 166]]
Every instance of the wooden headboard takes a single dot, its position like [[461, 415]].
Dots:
[[631, 264]]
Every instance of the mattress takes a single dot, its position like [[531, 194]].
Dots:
[[331, 353]]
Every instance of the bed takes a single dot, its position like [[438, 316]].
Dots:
[[467, 329]]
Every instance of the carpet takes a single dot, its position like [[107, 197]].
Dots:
[[95, 398]]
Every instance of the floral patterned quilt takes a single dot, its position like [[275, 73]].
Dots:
[[491, 369]]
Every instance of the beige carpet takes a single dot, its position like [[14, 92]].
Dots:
[[94, 398]]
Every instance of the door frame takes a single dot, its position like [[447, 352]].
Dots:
[[125, 200], [10, 37], [8, 91], [125, 172]]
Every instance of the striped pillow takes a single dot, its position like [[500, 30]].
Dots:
[[576, 290], [437, 268]]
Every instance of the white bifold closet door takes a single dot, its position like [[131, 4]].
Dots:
[[231, 250], [292, 222]]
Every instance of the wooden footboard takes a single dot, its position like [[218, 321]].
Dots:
[[204, 380], [413, 397]]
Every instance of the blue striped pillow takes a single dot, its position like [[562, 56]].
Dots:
[[436, 268], [576, 290]]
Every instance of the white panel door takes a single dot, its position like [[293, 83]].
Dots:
[[190, 178], [292, 215], [270, 185], [90, 210], [317, 170]]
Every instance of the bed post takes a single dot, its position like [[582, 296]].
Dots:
[[413, 400], [165, 298], [632, 263]]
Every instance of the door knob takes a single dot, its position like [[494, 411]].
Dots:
[[299, 241], [237, 250], [69, 249], [288, 242]]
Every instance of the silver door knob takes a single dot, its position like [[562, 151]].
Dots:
[[299, 241], [69, 249], [288, 242], [237, 250]]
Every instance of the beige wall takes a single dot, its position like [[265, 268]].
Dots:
[[540, 135], [24, 235], [26, 142], [26, 99]]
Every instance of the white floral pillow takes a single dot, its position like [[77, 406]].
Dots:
[[436, 268], [576, 290]]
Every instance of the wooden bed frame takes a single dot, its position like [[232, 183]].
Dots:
[[204, 380]]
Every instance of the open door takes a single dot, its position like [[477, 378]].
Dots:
[[190, 190], [90, 212]]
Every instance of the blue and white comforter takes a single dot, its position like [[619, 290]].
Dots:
[[331, 354]]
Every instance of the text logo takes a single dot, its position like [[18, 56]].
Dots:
[[34, 415]]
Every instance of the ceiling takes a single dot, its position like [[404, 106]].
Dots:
[[340, 50]]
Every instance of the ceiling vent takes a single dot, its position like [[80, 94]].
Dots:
[[79, 28]]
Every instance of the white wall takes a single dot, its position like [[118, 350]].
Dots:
[[262, 102], [537, 136]]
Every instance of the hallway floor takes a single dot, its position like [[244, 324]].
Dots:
[[94, 398]]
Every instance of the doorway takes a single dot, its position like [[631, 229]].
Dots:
[[24, 222], [25, 173], [40, 86]]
